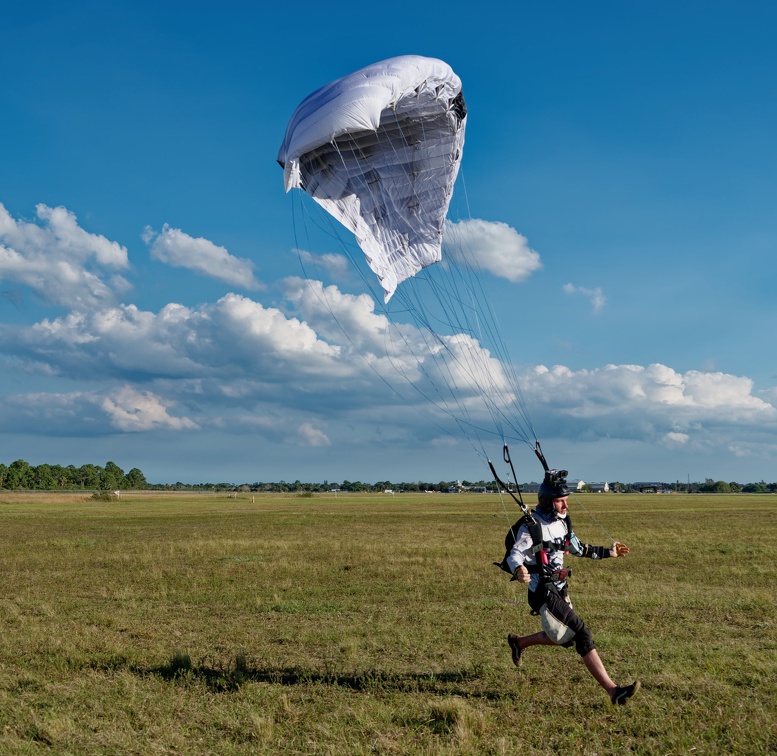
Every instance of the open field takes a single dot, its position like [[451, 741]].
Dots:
[[169, 623]]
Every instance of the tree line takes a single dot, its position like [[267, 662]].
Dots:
[[22, 475], [110, 477]]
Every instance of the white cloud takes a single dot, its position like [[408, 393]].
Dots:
[[337, 266], [595, 295], [62, 224], [61, 262], [453, 367], [674, 440], [176, 248], [234, 334], [313, 436], [316, 375], [338, 316], [132, 410], [492, 246], [90, 413], [652, 402]]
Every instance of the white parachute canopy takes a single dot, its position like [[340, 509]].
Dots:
[[380, 150]]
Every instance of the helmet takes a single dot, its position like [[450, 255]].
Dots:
[[554, 486]]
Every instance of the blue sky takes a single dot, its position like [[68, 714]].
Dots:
[[147, 248]]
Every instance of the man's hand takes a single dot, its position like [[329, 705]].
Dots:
[[619, 549], [521, 574]]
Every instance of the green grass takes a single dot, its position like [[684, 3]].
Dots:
[[373, 624]]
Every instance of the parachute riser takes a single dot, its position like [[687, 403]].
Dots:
[[519, 499]]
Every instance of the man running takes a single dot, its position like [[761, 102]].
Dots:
[[537, 559]]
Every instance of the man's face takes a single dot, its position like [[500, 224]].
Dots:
[[560, 505]]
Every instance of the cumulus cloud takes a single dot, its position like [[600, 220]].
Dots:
[[235, 334], [338, 316], [123, 408], [595, 295], [311, 370], [651, 402], [333, 356], [675, 440], [313, 436], [176, 248], [496, 247], [64, 264], [451, 367], [132, 410]]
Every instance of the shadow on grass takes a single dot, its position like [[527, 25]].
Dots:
[[465, 683]]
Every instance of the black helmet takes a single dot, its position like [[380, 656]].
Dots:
[[554, 486]]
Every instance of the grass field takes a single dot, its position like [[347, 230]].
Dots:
[[166, 623]]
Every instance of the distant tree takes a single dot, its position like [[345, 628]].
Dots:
[[20, 474], [135, 479], [89, 476], [719, 486], [43, 478], [61, 476], [112, 477]]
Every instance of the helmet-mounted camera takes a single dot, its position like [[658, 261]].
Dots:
[[557, 477]]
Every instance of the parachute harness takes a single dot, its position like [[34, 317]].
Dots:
[[528, 518]]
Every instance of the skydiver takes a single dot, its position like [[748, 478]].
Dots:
[[548, 594]]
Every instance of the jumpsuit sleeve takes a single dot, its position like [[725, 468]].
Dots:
[[521, 552], [586, 550]]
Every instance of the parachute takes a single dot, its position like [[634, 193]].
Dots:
[[380, 150]]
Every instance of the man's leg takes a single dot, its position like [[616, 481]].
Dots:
[[518, 644], [595, 666], [618, 694]]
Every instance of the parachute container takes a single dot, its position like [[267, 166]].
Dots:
[[380, 151]]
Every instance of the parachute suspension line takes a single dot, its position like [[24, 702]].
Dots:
[[463, 312], [322, 298], [455, 304], [450, 402], [462, 359], [434, 344], [467, 369], [356, 258], [431, 340], [512, 395], [595, 521], [336, 235], [496, 342]]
